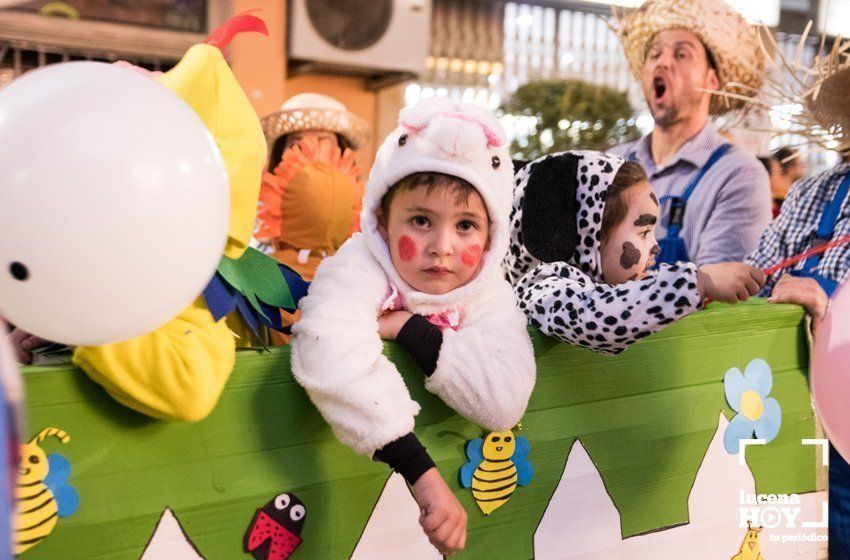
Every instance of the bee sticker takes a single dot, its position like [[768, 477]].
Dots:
[[42, 492], [275, 531], [496, 465]]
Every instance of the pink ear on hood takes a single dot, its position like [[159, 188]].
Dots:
[[416, 120], [413, 128], [493, 138]]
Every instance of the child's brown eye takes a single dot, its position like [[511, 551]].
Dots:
[[402, 140], [496, 162]]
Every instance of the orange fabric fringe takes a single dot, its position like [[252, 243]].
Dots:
[[309, 151]]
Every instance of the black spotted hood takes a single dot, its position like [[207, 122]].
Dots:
[[557, 212]]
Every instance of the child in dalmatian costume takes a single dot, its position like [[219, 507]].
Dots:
[[582, 254], [455, 313]]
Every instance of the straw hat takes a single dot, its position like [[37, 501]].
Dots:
[[830, 103], [810, 100], [824, 91], [732, 42], [311, 111]]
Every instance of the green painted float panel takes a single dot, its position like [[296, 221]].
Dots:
[[646, 418]]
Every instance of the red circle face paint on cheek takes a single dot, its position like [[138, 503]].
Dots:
[[471, 256], [406, 248]]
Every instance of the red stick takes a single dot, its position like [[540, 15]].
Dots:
[[806, 254]]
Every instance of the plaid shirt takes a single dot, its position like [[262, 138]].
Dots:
[[729, 208], [793, 231]]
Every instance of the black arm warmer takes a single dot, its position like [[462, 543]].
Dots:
[[407, 456], [422, 340]]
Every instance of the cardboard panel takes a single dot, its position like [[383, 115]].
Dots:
[[644, 419]]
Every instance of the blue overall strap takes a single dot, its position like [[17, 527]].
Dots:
[[826, 230], [715, 156], [672, 246]]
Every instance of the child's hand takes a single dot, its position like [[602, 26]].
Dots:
[[802, 291], [24, 344], [139, 69], [729, 282], [390, 323], [442, 517]]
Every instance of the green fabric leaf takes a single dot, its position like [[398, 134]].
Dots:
[[258, 278]]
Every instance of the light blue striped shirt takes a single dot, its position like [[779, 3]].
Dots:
[[730, 207]]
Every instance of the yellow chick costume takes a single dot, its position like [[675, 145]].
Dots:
[[179, 370], [750, 547]]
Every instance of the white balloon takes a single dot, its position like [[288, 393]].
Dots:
[[114, 203]]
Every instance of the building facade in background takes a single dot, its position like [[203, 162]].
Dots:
[[480, 50]]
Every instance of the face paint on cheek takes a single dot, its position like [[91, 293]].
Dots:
[[630, 257], [646, 220], [471, 256], [406, 248]]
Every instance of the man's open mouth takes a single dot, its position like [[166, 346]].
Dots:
[[659, 86]]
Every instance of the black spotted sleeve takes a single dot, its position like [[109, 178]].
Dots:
[[566, 304]]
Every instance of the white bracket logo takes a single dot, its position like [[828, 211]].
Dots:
[[824, 522]]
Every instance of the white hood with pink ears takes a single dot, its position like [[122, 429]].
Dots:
[[459, 139]]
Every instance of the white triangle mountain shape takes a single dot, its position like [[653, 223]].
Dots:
[[169, 541], [581, 522], [393, 531]]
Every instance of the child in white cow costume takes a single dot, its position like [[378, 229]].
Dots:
[[425, 271]]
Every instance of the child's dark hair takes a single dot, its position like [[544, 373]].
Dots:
[[616, 208], [765, 161], [785, 157], [430, 180]]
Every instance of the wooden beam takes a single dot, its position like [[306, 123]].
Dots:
[[97, 38]]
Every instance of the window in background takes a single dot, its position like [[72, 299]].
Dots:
[[176, 15], [834, 17]]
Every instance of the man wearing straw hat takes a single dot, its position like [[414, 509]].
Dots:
[[715, 197]]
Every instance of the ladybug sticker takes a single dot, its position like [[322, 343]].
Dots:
[[275, 531]]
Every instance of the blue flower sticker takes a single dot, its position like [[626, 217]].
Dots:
[[747, 394]]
